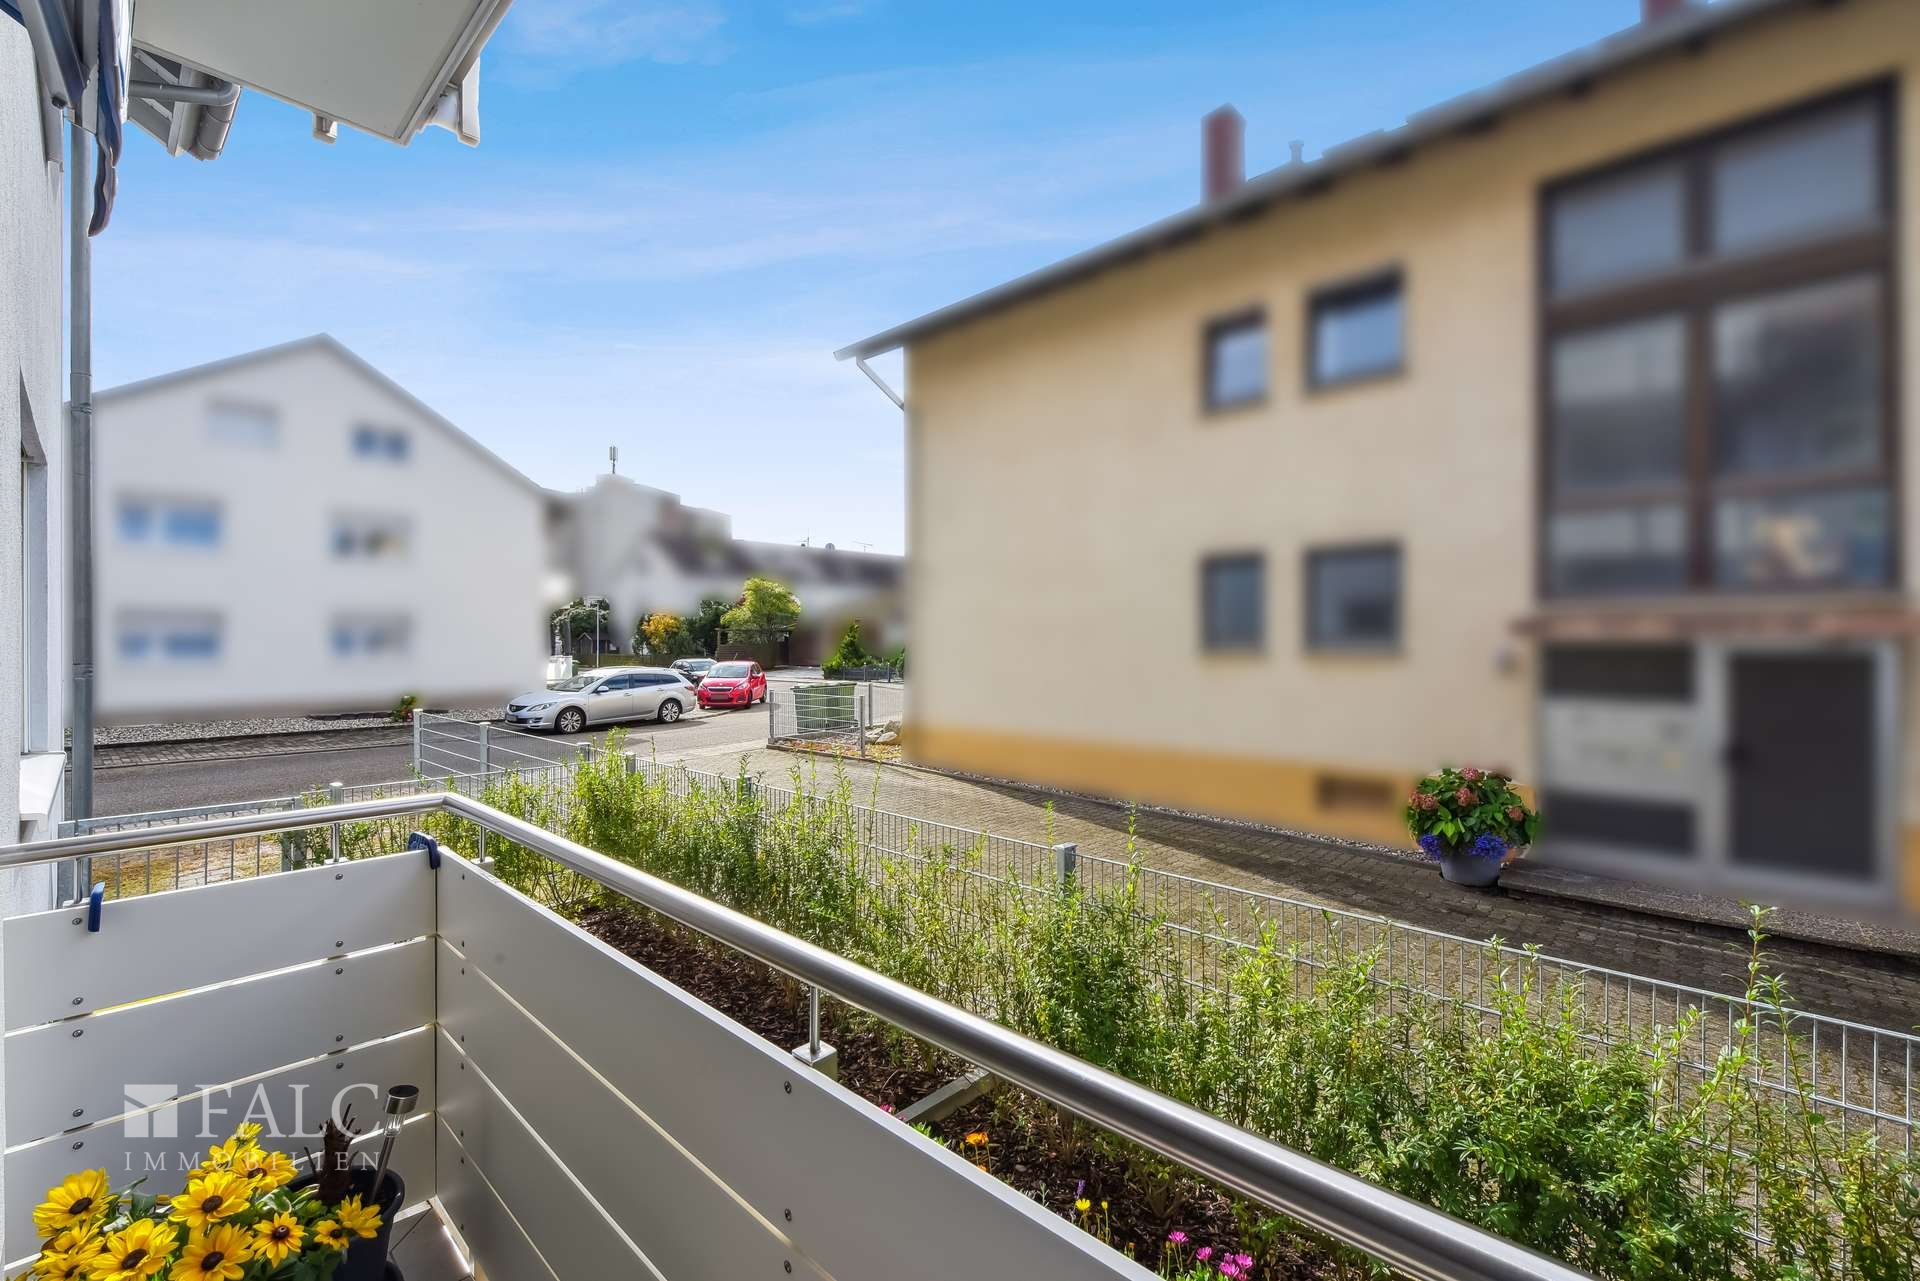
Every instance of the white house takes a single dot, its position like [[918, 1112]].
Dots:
[[290, 530]]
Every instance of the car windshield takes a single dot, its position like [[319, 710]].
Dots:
[[729, 671], [574, 684]]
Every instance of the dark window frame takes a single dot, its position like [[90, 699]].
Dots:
[[1210, 642], [1313, 556], [1210, 335], [1695, 290], [1372, 284]]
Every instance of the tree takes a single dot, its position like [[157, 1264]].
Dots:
[[705, 625], [849, 652], [664, 635], [765, 607], [580, 621]]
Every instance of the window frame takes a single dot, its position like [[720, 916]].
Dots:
[[1391, 279], [1219, 327], [1696, 290], [1218, 560], [1314, 555]]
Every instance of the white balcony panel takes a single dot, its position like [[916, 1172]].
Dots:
[[501, 1251], [683, 1221], [159, 944], [64, 1074], [169, 1138], [576, 1238], [869, 1197]]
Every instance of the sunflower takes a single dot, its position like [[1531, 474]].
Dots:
[[80, 1201], [210, 1198], [134, 1253], [362, 1221], [277, 1237], [221, 1255], [263, 1169], [69, 1253], [332, 1235]]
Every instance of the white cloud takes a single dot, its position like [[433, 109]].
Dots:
[[605, 33]]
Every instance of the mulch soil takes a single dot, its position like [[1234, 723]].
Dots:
[[1029, 1146]]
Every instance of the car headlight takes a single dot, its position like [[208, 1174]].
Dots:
[[539, 707]]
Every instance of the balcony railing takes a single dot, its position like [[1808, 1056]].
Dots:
[[579, 1115]]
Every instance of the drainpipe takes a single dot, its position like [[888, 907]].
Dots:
[[80, 470]]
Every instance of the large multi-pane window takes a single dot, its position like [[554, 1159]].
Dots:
[[1717, 364]]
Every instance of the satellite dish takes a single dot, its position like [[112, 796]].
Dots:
[[829, 546]]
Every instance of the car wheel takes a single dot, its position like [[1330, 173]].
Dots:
[[570, 721], [669, 711]]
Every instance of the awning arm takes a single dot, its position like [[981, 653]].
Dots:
[[880, 382]]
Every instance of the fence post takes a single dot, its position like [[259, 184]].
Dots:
[[770, 715], [865, 720], [418, 772], [749, 799], [486, 754], [336, 792], [1066, 859]]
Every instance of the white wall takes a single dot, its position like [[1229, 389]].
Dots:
[[33, 658], [467, 584]]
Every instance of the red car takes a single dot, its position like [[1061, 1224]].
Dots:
[[733, 685]]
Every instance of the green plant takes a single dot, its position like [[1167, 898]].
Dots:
[[848, 653], [704, 626], [1469, 811], [404, 709], [765, 607], [662, 635]]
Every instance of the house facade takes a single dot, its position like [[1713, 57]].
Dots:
[[289, 530], [1562, 430]]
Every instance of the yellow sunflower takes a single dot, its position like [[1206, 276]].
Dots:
[[277, 1237], [362, 1221], [210, 1198], [263, 1169], [136, 1252], [68, 1254], [80, 1201], [221, 1255], [332, 1235]]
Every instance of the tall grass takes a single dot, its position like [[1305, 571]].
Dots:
[[1519, 1118]]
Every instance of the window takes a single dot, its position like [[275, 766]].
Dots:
[[1233, 604], [1236, 361], [371, 636], [1358, 331], [1353, 598], [386, 444], [358, 536], [1717, 363], [175, 522], [249, 426], [143, 637]]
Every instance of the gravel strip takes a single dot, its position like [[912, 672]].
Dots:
[[113, 735]]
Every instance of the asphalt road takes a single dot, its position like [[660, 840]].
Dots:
[[133, 789]]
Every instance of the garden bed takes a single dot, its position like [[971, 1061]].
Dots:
[[1115, 1190]]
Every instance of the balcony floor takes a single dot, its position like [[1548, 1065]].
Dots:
[[423, 1248]]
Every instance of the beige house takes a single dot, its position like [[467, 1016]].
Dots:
[[1561, 430]]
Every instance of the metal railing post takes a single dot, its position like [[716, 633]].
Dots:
[[418, 770], [336, 793], [486, 776], [864, 720], [1066, 860]]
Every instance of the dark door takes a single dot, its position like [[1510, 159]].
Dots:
[[1801, 763]]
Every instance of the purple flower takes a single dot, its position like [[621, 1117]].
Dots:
[[1204, 1253], [1487, 845], [1432, 845], [1080, 1188], [1177, 1237], [1243, 1260], [1228, 1271]]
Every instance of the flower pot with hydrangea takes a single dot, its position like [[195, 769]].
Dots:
[[1471, 821]]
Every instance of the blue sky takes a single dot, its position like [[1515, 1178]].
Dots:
[[680, 209]]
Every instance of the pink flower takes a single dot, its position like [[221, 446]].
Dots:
[[1204, 1253], [1244, 1260], [1515, 813], [1228, 1271], [1471, 774], [1177, 1237], [1465, 796], [887, 1108], [1422, 802]]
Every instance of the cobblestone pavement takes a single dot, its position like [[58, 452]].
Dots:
[[1873, 988]]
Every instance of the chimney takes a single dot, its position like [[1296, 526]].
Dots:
[[1299, 149], [1654, 10], [1223, 159]]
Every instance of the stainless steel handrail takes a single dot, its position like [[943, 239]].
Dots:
[[1413, 1238]]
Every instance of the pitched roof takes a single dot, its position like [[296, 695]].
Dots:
[[347, 356], [1685, 29]]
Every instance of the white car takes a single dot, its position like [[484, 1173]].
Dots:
[[601, 697]]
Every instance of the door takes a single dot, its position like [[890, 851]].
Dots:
[[1801, 763], [612, 701], [646, 694]]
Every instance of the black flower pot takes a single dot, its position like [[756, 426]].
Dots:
[[1476, 871], [367, 1259]]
